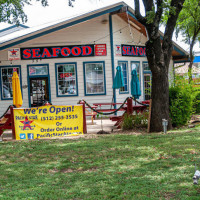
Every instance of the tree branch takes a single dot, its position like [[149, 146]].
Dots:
[[175, 8], [159, 12], [138, 15], [148, 5]]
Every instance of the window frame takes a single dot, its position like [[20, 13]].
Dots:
[[137, 62], [39, 76], [20, 77], [145, 72], [127, 71], [84, 75], [56, 73]]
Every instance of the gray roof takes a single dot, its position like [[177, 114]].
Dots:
[[12, 29]]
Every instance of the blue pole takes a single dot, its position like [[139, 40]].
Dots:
[[112, 55]]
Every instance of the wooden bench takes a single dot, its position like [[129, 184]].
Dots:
[[91, 113], [6, 122]]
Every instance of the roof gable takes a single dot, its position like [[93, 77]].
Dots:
[[30, 34], [12, 29]]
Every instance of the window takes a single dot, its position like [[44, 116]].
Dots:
[[38, 70], [6, 81], [146, 67], [124, 66], [94, 75], [66, 79], [136, 65], [147, 81]]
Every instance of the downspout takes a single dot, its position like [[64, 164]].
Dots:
[[112, 55]]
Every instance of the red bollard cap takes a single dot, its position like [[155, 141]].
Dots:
[[47, 103]]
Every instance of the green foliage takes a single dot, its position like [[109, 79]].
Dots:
[[151, 16], [181, 102], [127, 122], [137, 120], [141, 119], [12, 11], [196, 104], [189, 21]]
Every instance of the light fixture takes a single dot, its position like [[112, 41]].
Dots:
[[134, 25], [104, 21]]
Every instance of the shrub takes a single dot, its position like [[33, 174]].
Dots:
[[196, 104], [181, 103], [127, 123], [138, 120]]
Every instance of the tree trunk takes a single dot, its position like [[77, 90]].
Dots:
[[160, 100], [159, 64], [158, 56], [191, 61]]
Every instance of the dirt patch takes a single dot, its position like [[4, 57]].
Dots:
[[134, 131], [92, 169], [170, 195], [53, 171]]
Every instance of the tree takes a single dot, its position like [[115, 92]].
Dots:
[[189, 26], [159, 53], [11, 11]]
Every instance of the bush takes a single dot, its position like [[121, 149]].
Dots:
[[127, 123], [196, 104], [181, 103], [138, 120], [141, 119]]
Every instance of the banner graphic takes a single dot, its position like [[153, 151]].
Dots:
[[133, 50], [48, 122]]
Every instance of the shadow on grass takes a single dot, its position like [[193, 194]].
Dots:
[[113, 167]]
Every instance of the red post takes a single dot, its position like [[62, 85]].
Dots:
[[12, 122], [47, 104], [84, 118], [129, 106]]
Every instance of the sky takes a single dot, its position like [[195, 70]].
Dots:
[[59, 9]]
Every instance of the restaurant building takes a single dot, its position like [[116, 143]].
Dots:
[[76, 59]]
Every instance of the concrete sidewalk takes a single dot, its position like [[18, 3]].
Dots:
[[107, 125]]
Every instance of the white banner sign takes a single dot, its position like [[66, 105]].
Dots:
[[118, 51], [14, 54]]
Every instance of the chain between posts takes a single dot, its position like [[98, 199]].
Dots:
[[7, 111], [101, 113], [147, 105]]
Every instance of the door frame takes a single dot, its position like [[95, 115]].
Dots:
[[37, 76], [148, 72]]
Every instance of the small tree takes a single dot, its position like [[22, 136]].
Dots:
[[189, 26], [12, 11]]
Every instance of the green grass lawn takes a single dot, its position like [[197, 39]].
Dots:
[[147, 166]]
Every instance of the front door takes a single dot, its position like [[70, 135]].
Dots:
[[39, 91], [147, 86]]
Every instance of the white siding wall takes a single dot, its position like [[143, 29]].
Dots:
[[84, 33]]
